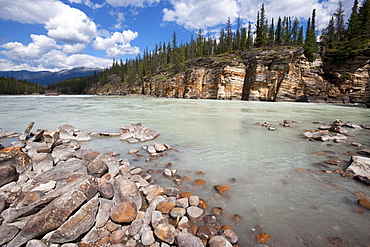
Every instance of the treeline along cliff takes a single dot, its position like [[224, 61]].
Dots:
[[278, 62]]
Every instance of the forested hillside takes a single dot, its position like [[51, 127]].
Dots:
[[338, 42], [9, 85]]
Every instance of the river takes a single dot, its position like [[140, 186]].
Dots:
[[275, 187]]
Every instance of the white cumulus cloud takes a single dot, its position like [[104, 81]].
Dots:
[[195, 14], [40, 45], [118, 44], [74, 49]]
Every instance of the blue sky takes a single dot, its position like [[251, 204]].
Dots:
[[61, 34]]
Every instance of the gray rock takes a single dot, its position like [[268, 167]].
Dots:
[[147, 237], [218, 241], [91, 237], [83, 136], [131, 243], [106, 190], [151, 150], [44, 187], [63, 202], [112, 163], [35, 243], [7, 134], [159, 147], [41, 162], [126, 190], [51, 137], [62, 170], [188, 240], [360, 168], [8, 173], [97, 168], [182, 202], [62, 153], [7, 233], [135, 226], [195, 213], [2, 203], [103, 212], [26, 132], [230, 235], [81, 222]]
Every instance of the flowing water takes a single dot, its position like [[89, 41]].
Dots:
[[275, 187]]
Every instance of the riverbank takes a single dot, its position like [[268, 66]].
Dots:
[[55, 192]]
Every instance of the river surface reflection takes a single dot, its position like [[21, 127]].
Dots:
[[275, 187]]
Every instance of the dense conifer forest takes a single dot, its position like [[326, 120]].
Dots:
[[338, 42], [9, 85]]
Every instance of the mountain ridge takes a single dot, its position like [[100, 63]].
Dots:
[[48, 77]]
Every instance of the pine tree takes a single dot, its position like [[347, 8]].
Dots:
[[353, 23], [261, 28], [229, 35], [295, 31], [249, 37], [310, 46], [271, 33], [243, 39], [279, 33]]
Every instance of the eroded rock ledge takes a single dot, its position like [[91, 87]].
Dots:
[[53, 192]]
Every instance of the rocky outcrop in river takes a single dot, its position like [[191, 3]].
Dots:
[[53, 193]]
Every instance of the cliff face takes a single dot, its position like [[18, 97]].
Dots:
[[205, 78], [282, 74]]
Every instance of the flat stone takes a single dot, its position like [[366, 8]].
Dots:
[[7, 233], [44, 187], [159, 147], [194, 200], [183, 223], [35, 243], [124, 212], [54, 214], [332, 162], [182, 202], [62, 153], [8, 173], [219, 241], [97, 168], [195, 213], [31, 197], [126, 190], [41, 162], [147, 237], [360, 168], [184, 239], [165, 232], [177, 212], [165, 207], [103, 214]]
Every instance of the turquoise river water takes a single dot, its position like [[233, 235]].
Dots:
[[275, 187]]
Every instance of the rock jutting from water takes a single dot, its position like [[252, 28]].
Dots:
[[55, 193], [338, 132]]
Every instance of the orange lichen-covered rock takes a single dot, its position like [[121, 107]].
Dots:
[[263, 237]]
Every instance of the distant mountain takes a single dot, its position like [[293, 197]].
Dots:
[[47, 77]]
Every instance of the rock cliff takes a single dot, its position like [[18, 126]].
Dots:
[[273, 74]]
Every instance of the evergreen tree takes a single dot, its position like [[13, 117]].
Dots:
[[249, 37], [353, 23], [261, 28], [271, 33], [310, 46], [279, 33], [295, 32], [229, 35], [243, 39]]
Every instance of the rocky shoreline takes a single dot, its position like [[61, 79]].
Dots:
[[55, 193]]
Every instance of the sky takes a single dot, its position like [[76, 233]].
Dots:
[[51, 35]]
